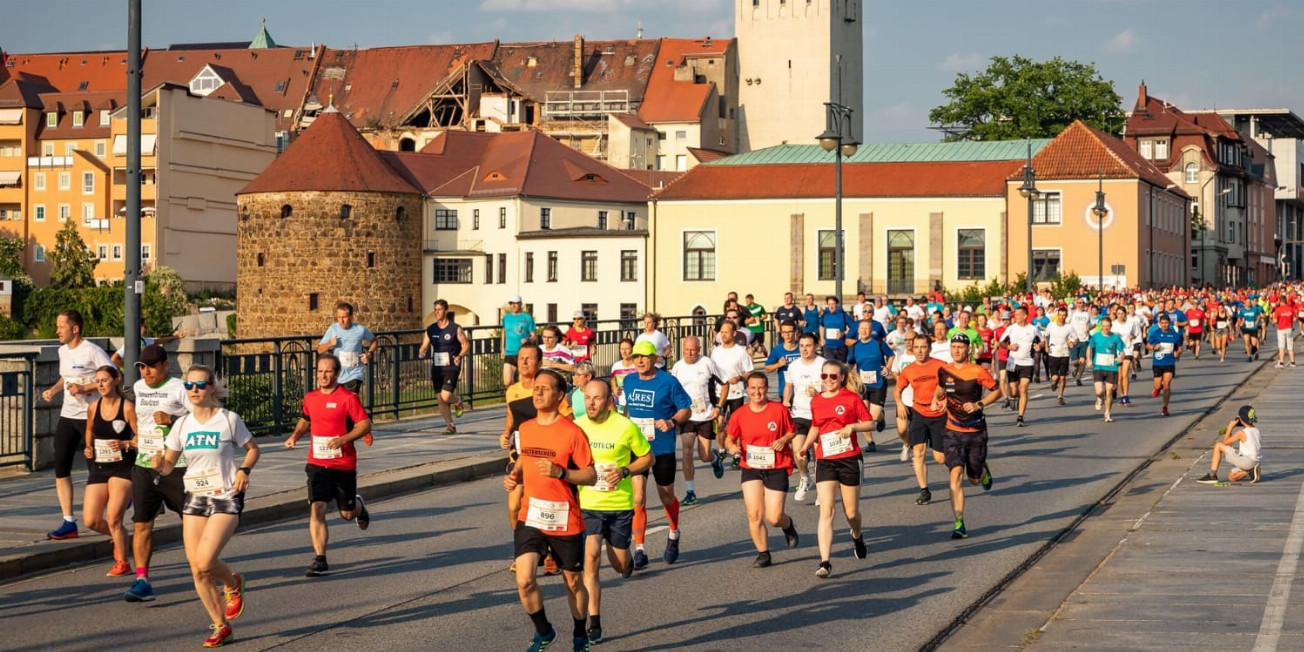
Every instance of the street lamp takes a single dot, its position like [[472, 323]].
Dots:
[[1030, 192], [837, 138], [1100, 211]]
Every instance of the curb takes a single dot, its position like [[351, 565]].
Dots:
[[262, 510]]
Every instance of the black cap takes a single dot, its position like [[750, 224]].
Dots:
[[152, 355], [1247, 415], [961, 338]]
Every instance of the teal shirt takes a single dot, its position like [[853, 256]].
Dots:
[[1107, 351]]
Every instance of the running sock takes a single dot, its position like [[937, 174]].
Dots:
[[595, 621], [578, 631], [70, 519], [690, 485], [541, 623], [640, 525], [142, 573], [673, 535], [672, 515]]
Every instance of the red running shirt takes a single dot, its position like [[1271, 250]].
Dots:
[[331, 415], [831, 414], [759, 430]]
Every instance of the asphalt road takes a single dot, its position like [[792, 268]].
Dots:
[[431, 571]]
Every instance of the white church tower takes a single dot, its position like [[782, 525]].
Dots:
[[794, 55]]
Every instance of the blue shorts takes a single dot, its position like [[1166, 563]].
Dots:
[[1079, 351], [616, 527]]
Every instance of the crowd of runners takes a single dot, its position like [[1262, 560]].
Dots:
[[799, 390]]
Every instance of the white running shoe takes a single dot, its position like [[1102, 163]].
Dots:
[[905, 453], [803, 486], [1099, 404]]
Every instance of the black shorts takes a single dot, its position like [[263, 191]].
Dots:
[[729, 407], [927, 430], [874, 395], [966, 449], [845, 470], [772, 479], [327, 484], [1058, 366], [100, 473], [510, 359], [1251, 332], [616, 527], [663, 470], [1021, 372], [703, 429], [444, 379], [567, 551], [150, 491], [354, 386], [801, 426], [1194, 337], [1161, 371], [839, 354], [208, 505], [1101, 376], [69, 441]]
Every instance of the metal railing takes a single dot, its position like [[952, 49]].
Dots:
[[16, 413]]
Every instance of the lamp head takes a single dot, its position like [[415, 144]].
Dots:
[[849, 148], [829, 140]]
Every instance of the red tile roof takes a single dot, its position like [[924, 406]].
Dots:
[[330, 155], [274, 78], [1084, 152], [704, 155], [792, 181], [24, 91], [633, 121], [668, 100], [605, 65], [67, 71], [90, 103]]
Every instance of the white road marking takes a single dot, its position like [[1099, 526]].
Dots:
[[1274, 613]]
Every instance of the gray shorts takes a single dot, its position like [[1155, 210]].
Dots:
[[1240, 461]]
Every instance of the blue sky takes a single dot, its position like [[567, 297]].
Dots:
[[1193, 53]]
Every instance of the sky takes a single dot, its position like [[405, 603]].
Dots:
[[1192, 53]]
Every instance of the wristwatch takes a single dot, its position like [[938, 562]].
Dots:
[[624, 472], [246, 469]]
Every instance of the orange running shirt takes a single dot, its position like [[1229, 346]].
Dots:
[[923, 377], [552, 505]]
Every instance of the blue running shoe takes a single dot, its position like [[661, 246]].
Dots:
[[140, 591], [67, 530], [671, 555], [580, 644], [690, 498], [541, 641], [640, 559], [717, 464], [959, 532]]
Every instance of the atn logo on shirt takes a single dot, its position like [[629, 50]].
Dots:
[[840, 410], [645, 398], [203, 440]]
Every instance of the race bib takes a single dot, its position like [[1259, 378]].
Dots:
[[1059, 351], [1220, 324], [1104, 360], [547, 516], [579, 351], [204, 483], [869, 377], [602, 484], [321, 449], [1164, 347], [350, 359], [760, 457], [648, 426], [1195, 323], [441, 358], [700, 407], [831, 333], [516, 441], [832, 444], [151, 442], [104, 454]]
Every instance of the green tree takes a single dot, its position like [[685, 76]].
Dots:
[[72, 264], [165, 298], [11, 257], [1017, 97]]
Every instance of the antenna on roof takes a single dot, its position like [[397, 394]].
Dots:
[[640, 29]]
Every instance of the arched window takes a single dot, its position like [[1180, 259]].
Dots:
[[286, 211], [1192, 173], [699, 316], [400, 213], [407, 145], [346, 211]]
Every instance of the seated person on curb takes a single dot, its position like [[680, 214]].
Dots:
[[1245, 457]]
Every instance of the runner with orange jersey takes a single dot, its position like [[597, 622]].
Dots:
[[926, 424], [761, 432], [959, 390]]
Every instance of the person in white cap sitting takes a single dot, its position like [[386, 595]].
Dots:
[[1245, 457]]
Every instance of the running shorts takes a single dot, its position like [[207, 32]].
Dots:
[[444, 379], [1168, 369], [927, 430], [100, 473], [208, 505], [703, 429], [772, 479], [1058, 366], [874, 395], [967, 450], [1021, 372], [69, 441], [616, 527], [845, 470], [150, 491], [567, 551], [327, 484], [663, 470], [1102, 376]]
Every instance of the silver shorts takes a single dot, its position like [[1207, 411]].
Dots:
[[208, 505], [1240, 461]]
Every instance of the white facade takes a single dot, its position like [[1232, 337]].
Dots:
[[793, 56], [618, 271]]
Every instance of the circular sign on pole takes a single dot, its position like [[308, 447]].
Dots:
[[1090, 216]]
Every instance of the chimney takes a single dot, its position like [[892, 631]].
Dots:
[[1141, 96], [578, 70]]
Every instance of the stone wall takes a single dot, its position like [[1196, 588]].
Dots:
[[372, 259]]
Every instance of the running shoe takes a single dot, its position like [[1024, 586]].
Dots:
[[1256, 475], [925, 497], [66, 530], [221, 634], [1248, 359], [1164, 412], [595, 635], [690, 498], [803, 486], [1061, 400], [140, 591], [1099, 404], [119, 569], [858, 546], [234, 597], [905, 452], [1078, 381], [717, 464], [550, 566], [580, 643], [1020, 423], [986, 482], [790, 533], [450, 430], [368, 439], [1292, 365], [1154, 393], [542, 641], [364, 517], [871, 447], [1109, 419], [1209, 478], [640, 559], [825, 569], [318, 568], [459, 410], [671, 554], [1279, 365], [881, 425], [959, 532], [762, 560], [736, 463]]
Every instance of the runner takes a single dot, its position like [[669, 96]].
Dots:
[[916, 383], [1222, 325], [449, 346], [334, 418], [160, 399], [1107, 353], [900, 360], [755, 320], [699, 377], [1080, 320], [837, 415], [784, 352], [803, 383], [579, 338], [555, 356], [555, 458], [810, 316], [623, 367], [1060, 341], [1021, 339], [657, 404], [1166, 346], [351, 342], [1251, 321], [870, 358], [520, 408], [959, 391], [608, 505], [1195, 319], [215, 493], [763, 430], [1284, 316], [518, 328], [787, 312], [651, 324], [940, 349], [733, 362], [583, 373], [110, 429], [78, 360], [835, 326]]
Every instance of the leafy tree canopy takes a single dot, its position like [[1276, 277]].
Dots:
[[72, 264]]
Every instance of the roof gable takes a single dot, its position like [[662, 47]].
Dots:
[[668, 100], [73, 71], [1084, 152], [330, 155], [816, 181]]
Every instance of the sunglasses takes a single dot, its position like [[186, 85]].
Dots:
[[830, 376], [198, 384]]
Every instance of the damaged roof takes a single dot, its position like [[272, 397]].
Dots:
[[537, 68]]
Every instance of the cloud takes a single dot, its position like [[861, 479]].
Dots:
[[956, 62], [1123, 42], [440, 38], [1277, 14]]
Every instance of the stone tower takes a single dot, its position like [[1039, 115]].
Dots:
[[794, 55], [328, 221]]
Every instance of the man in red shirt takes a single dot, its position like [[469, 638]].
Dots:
[[579, 339], [1195, 317], [1285, 314], [335, 418], [555, 456]]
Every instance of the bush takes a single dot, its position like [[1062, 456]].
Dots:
[[230, 326]]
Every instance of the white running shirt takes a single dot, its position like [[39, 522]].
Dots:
[[733, 361], [803, 377]]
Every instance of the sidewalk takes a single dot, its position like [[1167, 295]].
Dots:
[[407, 455], [1185, 565]]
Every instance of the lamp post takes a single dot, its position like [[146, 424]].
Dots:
[[1030, 192], [837, 138], [1100, 211]]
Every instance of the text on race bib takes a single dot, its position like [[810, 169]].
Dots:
[[350, 359], [700, 407], [760, 457], [1220, 324], [104, 454], [151, 441], [831, 333], [547, 515], [833, 443], [869, 377], [441, 358], [322, 450], [1059, 351], [204, 483], [603, 469], [579, 350], [1104, 359], [648, 426], [1195, 323]]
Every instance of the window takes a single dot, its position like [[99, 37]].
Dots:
[[69, 148], [972, 248], [552, 267], [38, 181], [545, 218], [286, 211], [628, 315], [1147, 149], [346, 211], [400, 213], [65, 212], [445, 219], [102, 252], [262, 260], [38, 213], [588, 266], [1046, 208], [52, 120], [681, 135], [145, 254], [529, 267], [371, 259], [1045, 264], [828, 243], [88, 214], [900, 262], [502, 217], [312, 301], [502, 269], [590, 311], [681, 162], [88, 183], [631, 220], [65, 180], [602, 220], [488, 269], [699, 255], [452, 270], [475, 219], [117, 252], [1192, 173], [100, 149], [1161, 149], [552, 312], [38, 254], [77, 119], [47, 149], [628, 265], [104, 117]]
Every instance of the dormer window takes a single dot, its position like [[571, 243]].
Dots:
[[52, 119], [104, 117], [205, 82], [78, 119]]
